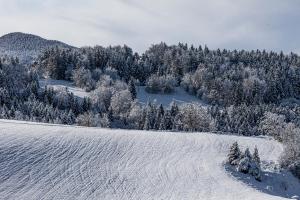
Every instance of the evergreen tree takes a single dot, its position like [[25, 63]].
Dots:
[[168, 121], [159, 115], [244, 164], [5, 112], [70, 118], [162, 124], [132, 89], [247, 154], [110, 115], [256, 157], [86, 104], [174, 109], [234, 154], [147, 123]]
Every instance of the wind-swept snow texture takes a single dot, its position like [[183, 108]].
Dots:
[[43, 161]]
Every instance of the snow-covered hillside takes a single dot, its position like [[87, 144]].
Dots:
[[43, 161], [26, 46]]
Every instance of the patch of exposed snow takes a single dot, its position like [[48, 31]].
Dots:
[[179, 96], [45, 161], [61, 84]]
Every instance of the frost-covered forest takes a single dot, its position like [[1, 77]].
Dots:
[[246, 92]]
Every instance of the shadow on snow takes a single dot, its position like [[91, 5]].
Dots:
[[274, 182]]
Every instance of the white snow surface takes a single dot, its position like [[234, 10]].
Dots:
[[179, 96], [61, 85], [44, 161]]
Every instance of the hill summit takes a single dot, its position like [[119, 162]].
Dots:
[[26, 46]]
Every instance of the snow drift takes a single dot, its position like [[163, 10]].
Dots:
[[43, 161]]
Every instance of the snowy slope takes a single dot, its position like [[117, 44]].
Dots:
[[43, 161], [61, 85], [179, 96]]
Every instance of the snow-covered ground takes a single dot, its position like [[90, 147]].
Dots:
[[44, 161], [61, 84], [179, 96]]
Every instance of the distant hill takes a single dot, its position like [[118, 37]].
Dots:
[[26, 46]]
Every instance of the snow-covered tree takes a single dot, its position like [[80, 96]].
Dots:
[[121, 102], [234, 154], [194, 117], [244, 164], [255, 171], [83, 78], [147, 125], [87, 119], [159, 115], [132, 89], [160, 84], [273, 125], [249, 164], [256, 157]]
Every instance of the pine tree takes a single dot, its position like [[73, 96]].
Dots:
[[247, 154], [105, 121], [256, 157], [234, 154], [86, 104], [245, 163], [166, 122], [110, 115], [178, 124], [147, 123], [4, 113], [174, 109], [162, 124], [71, 117], [159, 115], [255, 166], [132, 89]]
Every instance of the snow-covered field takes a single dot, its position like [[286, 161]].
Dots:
[[61, 84], [43, 161], [179, 96]]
